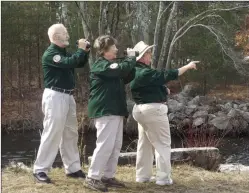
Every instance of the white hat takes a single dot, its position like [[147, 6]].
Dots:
[[141, 47]]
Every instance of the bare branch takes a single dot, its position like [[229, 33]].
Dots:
[[166, 9], [194, 20], [213, 15], [100, 24], [156, 36], [226, 50], [86, 28], [173, 13]]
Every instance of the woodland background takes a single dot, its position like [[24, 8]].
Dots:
[[216, 33]]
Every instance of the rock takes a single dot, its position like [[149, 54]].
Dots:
[[244, 109], [235, 106], [199, 121], [222, 123], [200, 114], [211, 117], [228, 106], [190, 109], [19, 166], [194, 101], [175, 106], [235, 123], [204, 108], [243, 125], [245, 115], [242, 105], [182, 99], [205, 157], [172, 105], [186, 122], [221, 114], [177, 116], [238, 168], [232, 113], [171, 116], [180, 107]]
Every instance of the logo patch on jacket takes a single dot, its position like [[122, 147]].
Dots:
[[57, 58], [114, 66]]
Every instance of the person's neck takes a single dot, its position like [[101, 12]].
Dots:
[[144, 62], [108, 58], [58, 44]]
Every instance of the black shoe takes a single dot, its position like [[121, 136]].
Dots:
[[78, 174], [42, 177], [95, 185], [112, 182]]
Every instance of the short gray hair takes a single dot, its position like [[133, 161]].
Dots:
[[53, 29]]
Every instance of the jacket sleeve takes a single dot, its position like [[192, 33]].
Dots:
[[121, 69], [76, 60], [130, 76], [82, 64]]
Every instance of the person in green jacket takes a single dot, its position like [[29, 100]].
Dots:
[[150, 111], [107, 106], [58, 105]]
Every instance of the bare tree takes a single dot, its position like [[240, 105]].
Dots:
[[86, 29], [220, 37], [168, 29], [103, 23], [161, 11], [144, 20], [131, 22]]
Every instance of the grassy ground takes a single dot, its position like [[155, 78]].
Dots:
[[187, 179]]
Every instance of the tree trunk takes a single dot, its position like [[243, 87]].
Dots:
[[130, 23], [100, 24], [114, 24], [167, 36], [156, 36], [86, 29], [64, 15], [143, 21]]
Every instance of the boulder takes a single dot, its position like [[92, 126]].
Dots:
[[199, 121], [200, 114], [221, 123]]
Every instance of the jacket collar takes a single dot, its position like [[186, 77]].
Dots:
[[143, 65], [52, 45]]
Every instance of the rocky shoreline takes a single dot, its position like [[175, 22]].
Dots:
[[188, 112]]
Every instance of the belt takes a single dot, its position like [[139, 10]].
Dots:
[[70, 92]]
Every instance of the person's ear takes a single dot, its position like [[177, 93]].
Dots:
[[55, 37]]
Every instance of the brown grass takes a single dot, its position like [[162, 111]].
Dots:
[[187, 180], [232, 92]]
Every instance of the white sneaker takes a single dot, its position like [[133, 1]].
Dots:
[[164, 182], [144, 180]]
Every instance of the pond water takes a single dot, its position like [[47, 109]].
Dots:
[[24, 147]]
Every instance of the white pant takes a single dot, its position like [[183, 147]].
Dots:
[[154, 134], [108, 146], [60, 131]]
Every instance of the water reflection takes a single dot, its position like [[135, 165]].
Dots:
[[23, 148]]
